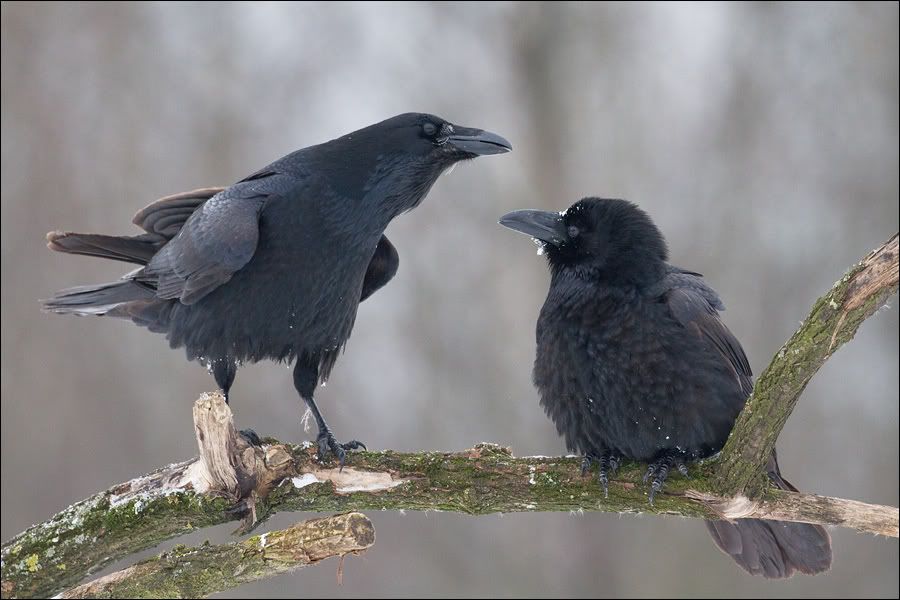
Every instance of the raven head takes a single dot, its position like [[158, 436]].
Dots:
[[395, 162], [612, 240]]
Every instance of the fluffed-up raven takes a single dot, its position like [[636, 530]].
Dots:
[[275, 266], [634, 363]]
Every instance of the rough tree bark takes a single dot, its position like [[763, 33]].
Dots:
[[201, 571], [831, 323], [229, 473]]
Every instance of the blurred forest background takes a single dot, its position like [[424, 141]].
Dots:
[[762, 138]]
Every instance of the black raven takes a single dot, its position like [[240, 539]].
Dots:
[[275, 266], [633, 362]]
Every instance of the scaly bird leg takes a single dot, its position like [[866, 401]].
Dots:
[[306, 376], [608, 464], [658, 472]]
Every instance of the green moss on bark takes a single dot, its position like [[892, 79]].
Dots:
[[203, 570], [832, 322], [89, 535]]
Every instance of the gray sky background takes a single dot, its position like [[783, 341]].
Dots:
[[762, 138]]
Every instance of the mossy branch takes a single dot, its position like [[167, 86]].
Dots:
[[832, 322], [203, 570], [59, 553], [486, 479]]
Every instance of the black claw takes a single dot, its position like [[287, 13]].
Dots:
[[655, 487], [341, 455], [613, 464], [328, 443], [586, 463], [251, 437], [607, 465], [659, 471], [238, 510], [603, 474], [662, 473]]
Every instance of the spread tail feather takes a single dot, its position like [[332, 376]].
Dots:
[[138, 249], [774, 549], [96, 299]]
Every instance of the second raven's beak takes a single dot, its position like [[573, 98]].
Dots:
[[542, 225], [478, 141]]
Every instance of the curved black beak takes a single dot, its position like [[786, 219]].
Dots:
[[540, 224], [478, 141]]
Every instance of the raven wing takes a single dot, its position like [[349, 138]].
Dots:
[[210, 243], [382, 267], [166, 216], [696, 306]]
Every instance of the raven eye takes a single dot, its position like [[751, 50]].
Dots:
[[573, 231], [429, 129]]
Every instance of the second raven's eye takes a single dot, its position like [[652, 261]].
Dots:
[[429, 129]]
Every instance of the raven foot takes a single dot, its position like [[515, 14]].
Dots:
[[608, 464], [658, 472], [328, 443], [251, 437]]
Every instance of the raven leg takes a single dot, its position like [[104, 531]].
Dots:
[[658, 470], [224, 370], [608, 464], [306, 376]]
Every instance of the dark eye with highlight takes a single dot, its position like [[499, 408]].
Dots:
[[573, 231], [429, 129]]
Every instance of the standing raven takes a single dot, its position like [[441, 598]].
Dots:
[[633, 362], [275, 266]]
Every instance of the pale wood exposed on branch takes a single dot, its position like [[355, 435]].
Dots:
[[781, 505]]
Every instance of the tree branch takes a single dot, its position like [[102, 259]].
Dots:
[[203, 570], [831, 323], [180, 498], [779, 505], [486, 479]]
